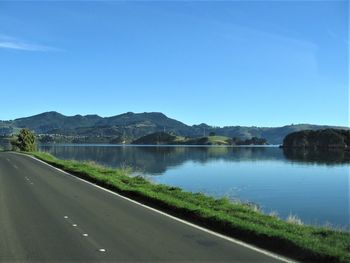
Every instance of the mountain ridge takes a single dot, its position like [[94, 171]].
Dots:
[[129, 126]]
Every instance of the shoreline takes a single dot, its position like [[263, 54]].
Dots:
[[160, 145]]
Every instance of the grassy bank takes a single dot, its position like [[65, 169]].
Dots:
[[304, 243]]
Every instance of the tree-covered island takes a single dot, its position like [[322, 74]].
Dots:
[[319, 139]]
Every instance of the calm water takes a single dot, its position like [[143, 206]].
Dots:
[[313, 186]]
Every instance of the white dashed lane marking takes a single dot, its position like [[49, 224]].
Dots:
[[29, 181], [84, 234]]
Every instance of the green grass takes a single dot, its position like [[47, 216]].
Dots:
[[219, 139], [208, 140], [301, 242]]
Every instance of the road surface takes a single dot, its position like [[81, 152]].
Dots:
[[47, 215]]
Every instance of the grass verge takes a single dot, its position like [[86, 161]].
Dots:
[[300, 242]]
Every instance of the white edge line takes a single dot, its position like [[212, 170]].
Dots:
[[230, 239]]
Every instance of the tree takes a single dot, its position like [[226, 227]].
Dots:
[[236, 141], [24, 141], [212, 134]]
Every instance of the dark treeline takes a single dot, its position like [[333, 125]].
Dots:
[[319, 139]]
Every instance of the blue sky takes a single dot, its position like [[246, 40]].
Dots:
[[262, 63]]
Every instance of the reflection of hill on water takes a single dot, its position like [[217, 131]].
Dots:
[[5, 143], [324, 156], [156, 160]]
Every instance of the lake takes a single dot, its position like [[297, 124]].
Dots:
[[311, 185]]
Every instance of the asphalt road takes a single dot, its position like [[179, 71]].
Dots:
[[47, 215]]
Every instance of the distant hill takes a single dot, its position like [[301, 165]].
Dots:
[[210, 140], [169, 139], [50, 121], [159, 138], [130, 126]]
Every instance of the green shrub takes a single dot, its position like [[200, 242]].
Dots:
[[24, 141]]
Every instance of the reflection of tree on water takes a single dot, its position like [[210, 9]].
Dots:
[[322, 156]]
